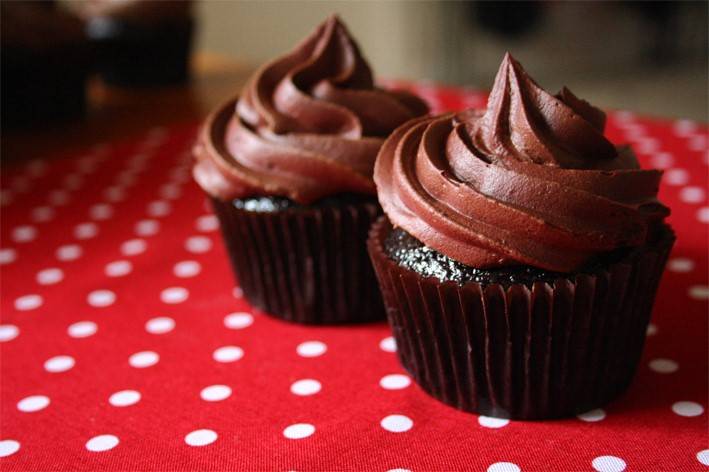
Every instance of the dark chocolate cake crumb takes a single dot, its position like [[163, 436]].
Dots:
[[271, 204], [411, 253]]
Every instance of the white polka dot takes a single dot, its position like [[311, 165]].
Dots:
[[697, 143], [86, 166], [703, 456], [159, 208], [143, 359], [101, 211], [207, 223], [305, 387], [593, 415], [114, 194], [170, 191], [215, 393], [36, 168], [59, 364], [186, 269], [160, 325], [9, 446], [388, 344], [651, 330], [124, 398], [147, 227], [82, 329], [198, 244], [239, 320], [20, 184], [73, 182], [490, 422], [676, 177], [504, 467], [126, 178], [49, 276], [118, 268], [680, 264], [299, 431], [69, 252], [133, 247], [311, 349], [228, 354], [648, 145], [28, 302], [5, 197], [684, 128], [692, 194], [58, 197], [33, 403], [395, 381], [8, 332], [699, 292], [201, 437], [703, 215], [608, 464], [398, 469], [24, 234], [7, 256], [662, 160], [397, 423], [624, 116], [101, 298], [687, 408], [104, 442], [42, 214], [238, 292], [663, 366], [85, 230], [174, 295]]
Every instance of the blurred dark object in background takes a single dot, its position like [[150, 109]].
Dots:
[[141, 43], [661, 19], [510, 19], [45, 62]]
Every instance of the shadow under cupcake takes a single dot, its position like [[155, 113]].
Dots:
[[520, 253]]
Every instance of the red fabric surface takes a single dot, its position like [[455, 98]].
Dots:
[[118, 235]]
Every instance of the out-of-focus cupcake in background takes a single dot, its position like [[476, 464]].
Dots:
[[140, 42], [45, 62]]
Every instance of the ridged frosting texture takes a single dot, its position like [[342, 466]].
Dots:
[[308, 125], [531, 180]]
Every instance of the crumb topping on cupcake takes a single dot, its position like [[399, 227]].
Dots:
[[531, 180]]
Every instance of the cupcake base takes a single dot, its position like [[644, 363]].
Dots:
[[305, 264], [546, 351]]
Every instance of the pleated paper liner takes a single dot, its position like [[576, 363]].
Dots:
[[516, 352], [306, 265]]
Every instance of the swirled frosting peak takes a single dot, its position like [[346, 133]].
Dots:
[[308, 125], [530, 180]]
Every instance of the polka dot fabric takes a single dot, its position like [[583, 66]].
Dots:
[[126, 344]]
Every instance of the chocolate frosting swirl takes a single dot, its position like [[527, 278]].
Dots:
[[309, 125], [531, 180]]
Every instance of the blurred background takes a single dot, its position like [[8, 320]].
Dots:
[[107, 68], [650, 57]]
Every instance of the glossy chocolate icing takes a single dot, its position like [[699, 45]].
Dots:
[[308, 125], [530, 181]]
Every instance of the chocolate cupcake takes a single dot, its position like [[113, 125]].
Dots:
[[288, 167], [520, 253]]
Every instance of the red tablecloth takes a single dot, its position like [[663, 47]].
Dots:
[[126, 346]]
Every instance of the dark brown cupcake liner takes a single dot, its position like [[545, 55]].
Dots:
[[307, 265], [546, 352]]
